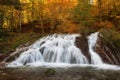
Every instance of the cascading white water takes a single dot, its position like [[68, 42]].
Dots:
[[57, 49], [95, 58]]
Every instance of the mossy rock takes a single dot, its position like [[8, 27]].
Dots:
[[50, 71]]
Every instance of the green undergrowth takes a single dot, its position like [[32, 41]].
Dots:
[[86, 31], [9, 43], [50, 71], [111, 39]]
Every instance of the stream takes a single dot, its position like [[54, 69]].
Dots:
[[71, 73], [56, 57]]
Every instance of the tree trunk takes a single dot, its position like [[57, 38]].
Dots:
[[20, 20]]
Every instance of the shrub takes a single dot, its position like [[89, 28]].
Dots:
[[111, 37]]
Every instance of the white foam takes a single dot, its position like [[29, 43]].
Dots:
[[95, 58], [59, 50], [56, 48]]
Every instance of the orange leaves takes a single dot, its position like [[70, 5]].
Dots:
[[68, 27], [104, 24], [24, 1], [64, 3]]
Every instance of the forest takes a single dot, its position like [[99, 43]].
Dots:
[[59, 39], [24, 21]]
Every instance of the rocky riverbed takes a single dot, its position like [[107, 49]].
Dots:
[[71, 73]]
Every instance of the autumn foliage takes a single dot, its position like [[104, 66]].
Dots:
[[24, 20], [59, 15]]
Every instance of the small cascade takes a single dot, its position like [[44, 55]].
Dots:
[[58, 49], [95, 58]]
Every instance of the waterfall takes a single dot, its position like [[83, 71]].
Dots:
[[58, 49], [95, 58]]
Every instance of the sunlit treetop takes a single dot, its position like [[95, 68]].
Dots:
[[24, 1], [94, 2]]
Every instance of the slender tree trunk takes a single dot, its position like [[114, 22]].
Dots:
[[11, 22], [20, 20], [41, 24], [100, 9], [0, 25]]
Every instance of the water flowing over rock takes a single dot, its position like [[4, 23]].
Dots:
[[109, 52], [59, 49], [82, 43], [95, 58]]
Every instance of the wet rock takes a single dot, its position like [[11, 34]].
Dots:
[[107, 51], [42, 50], [82, 44], [23, 45], [2, 57], [50, 72], [3, 74], [2, 64], [13, 55]]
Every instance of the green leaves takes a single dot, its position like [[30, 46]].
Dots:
[[82, 13]]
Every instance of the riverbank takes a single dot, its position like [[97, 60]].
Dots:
[[73, 73]]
